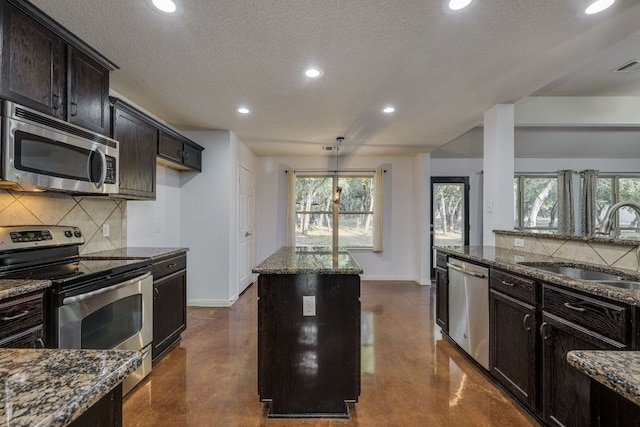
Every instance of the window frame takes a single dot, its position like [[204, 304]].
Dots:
[[519, 201], [617, 230], [336, 212]]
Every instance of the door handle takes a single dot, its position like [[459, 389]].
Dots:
[[247, 234]]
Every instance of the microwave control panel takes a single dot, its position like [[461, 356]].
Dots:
[[111, 170]]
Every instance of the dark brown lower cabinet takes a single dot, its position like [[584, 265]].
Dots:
[[512, 355], [442, 299], [106, 412], [169, 304], [566, 391]]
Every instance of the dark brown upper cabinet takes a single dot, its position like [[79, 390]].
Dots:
[[47, 68], [138, 143], [177, 152]]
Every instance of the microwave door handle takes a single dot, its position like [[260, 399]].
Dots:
[[103, 174]]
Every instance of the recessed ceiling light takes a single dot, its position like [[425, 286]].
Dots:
[[243, 110], [459, 4], [388, 110], [166, 7], [598, 6], [313, 73]]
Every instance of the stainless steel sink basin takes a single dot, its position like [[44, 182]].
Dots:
[[588, 274], [576, 272], [624, 284]]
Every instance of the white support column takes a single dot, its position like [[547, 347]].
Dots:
[[422, 170], [498, 166]]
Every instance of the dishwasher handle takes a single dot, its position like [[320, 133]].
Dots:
[[467, 272]]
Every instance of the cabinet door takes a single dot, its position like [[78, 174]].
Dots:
[[138, 144], [170, 148], [169, 311], [192, 157], [33, 66], [88, 93], [566, 390], [513, 346], [442, 299]]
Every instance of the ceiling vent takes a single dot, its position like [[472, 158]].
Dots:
[[629, 67]]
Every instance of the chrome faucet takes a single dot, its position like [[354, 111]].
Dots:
[[607, 222]]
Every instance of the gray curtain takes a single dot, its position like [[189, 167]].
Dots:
[[589, 187], [566, 219]]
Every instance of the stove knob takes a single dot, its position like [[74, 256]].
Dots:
[[68, 233], [77, 233]]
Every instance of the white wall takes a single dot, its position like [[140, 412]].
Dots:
[[398, 259], [157, 223]]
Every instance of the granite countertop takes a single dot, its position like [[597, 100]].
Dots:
[[510, 260], [591, 239], [136, 253], [14, 287], [319, 260], [618, 370], [54, 387]]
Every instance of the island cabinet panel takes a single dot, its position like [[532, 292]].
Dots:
[[106, 412], [138, 140], [567, 397], [513, 346], [33, 65], [308, 343], [169, 304], [609, 409]]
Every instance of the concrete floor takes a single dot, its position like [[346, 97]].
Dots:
[[410, 375]]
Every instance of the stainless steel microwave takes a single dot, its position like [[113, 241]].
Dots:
[[40, 152]]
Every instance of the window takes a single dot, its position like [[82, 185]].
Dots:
[[614, 189], [316, 212], [536, 202]]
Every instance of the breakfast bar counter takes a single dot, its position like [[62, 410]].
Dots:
[[309, 332]]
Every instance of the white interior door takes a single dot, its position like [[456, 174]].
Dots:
[[246, 221]]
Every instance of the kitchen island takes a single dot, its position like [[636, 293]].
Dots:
[[63, 387], [308, 332]]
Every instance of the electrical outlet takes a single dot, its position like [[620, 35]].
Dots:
[[308, 306], [105, 230], [518, 243]]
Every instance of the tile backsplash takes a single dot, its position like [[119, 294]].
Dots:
[[90, 214], [592, 251]]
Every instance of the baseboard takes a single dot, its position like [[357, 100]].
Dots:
[[209, 303], [386, 278]]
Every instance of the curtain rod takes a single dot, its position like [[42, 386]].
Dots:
[[334, 171]]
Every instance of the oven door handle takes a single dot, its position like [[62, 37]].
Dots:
[[78, 298]]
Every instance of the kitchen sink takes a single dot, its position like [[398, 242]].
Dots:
[[585, 273], [624, 284], [575, 272]]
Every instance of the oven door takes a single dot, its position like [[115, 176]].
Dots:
[[41, 156], [116, 317]]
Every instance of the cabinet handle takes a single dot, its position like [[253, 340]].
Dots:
[[56, 101], [17, 316], [74, 109], [39, 343], [173, 264], [525, 320], [542, 329], [155, 292], [573, 307], [508, 283]]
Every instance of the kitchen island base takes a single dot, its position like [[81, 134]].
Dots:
[[308, 344]]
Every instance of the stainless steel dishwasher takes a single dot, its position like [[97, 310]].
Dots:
[[469, 308]]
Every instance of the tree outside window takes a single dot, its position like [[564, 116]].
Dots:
[[316, 213], [536, 202]]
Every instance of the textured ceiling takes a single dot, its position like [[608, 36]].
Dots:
[[441, 71]]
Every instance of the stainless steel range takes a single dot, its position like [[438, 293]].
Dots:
[[93, 304]]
